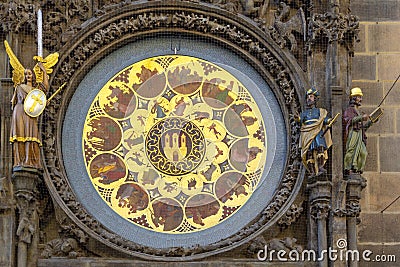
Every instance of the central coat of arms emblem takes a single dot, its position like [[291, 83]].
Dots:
[[175, 146]]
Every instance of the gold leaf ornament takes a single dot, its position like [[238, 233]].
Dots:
[[48, 63], [18, 70]]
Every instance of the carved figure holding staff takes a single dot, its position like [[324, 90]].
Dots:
[[28, 102], [315, 139], [356, 125]]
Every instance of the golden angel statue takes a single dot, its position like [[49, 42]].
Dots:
[[28, 102]]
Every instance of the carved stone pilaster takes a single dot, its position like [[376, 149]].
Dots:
[[7, 223], [355, 184], [319, 188], [331, 26], [5, 199], [320, 193], [25, 182]]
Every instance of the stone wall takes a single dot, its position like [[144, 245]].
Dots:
[[375, 67]]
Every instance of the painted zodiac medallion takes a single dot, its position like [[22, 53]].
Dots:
[[174, 144]]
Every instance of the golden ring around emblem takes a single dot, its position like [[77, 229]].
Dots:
[[34, 103]]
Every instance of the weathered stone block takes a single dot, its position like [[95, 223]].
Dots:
[[364, 201], [398, 120], [368, 230], [386, 66], [372, 10], [381, 191], [364, 67], [361, 45], [384, 37], [372, 158], [385, 124], [7, 228], [389, 148], [380, 252], [394, 96], [379, 227]]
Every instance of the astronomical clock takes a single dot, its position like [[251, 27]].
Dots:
[[172, 144]]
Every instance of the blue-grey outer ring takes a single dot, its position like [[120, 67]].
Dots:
[[94, 80]]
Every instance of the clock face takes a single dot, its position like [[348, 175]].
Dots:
[[174, 144]]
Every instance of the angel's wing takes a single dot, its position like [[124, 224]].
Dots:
[[48, 63], [18, 69]]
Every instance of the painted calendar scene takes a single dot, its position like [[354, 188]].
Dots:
[[174, 144]]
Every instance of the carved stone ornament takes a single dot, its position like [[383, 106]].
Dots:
[[320, 211], [65, 18], [353, 208], [291, 215], [62, 247], [137, 20], [255, 245], [283, 28], [343, 28], [26, 204], [18, 15], [286, 244]]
